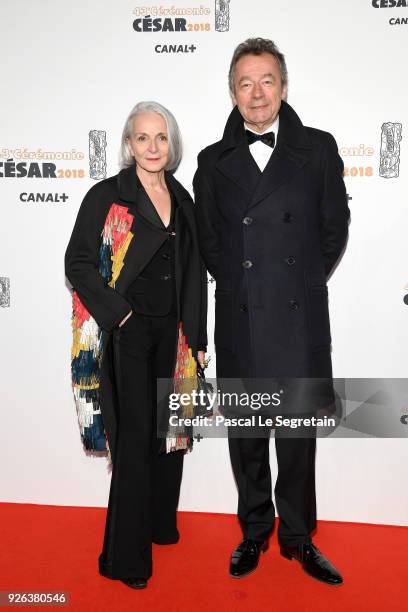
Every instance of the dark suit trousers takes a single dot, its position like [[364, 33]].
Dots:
[[295, 484], [145, 484], [294, 489]]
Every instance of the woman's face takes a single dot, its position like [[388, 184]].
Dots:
[[149, 142]]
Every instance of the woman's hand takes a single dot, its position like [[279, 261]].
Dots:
[[201, 358], [125, 319]]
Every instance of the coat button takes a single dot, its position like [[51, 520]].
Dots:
[[247, 264], [243, 307], [247, 220], [165, 256], [287, 217], [165, 277], [294, 304], [290, 260]]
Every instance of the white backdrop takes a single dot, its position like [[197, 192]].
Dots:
[[69, 68]]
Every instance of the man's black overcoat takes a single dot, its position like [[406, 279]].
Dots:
[[270, 239]]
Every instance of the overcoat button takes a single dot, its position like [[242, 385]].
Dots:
[[294, 304], [247, 220], [287, 217], [165, 277], [290, 260], [243, 307], [247, 264], [165, 256]]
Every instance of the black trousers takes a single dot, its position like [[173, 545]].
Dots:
[[295, 484], [294, 489], [145, 484]]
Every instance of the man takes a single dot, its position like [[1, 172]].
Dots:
[[273, 219]]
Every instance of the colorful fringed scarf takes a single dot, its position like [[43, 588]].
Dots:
[[88, 337], [89, 341], [185, 380]]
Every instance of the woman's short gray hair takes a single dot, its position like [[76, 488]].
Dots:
[[256, 46], [174, 136]]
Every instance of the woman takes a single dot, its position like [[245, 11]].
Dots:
[[140, 300]]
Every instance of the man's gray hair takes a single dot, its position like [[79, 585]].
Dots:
[[256, 46], [174, 136]]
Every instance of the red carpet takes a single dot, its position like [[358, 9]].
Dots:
[[52, 548]]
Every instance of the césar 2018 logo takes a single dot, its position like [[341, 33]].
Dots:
[[389, 3], [147, 24]]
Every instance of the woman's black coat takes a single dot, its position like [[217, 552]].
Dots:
[[108, 305]]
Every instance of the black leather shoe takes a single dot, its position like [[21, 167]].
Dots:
[[313, 562], [245, 557], [135, 583]]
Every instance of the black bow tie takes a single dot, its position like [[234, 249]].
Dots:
[[268, 138]]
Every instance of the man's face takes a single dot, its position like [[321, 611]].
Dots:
[[258, 89]]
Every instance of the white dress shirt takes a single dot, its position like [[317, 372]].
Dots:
[[260, 151]]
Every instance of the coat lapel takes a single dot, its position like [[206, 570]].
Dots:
[[283, 164], [239, 166], [145, 207], [131, 190], [146, 241], [183, 220], [236, 162]]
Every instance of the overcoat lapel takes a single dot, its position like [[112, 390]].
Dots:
[[236, 162], [239, 166], [283, 165]]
